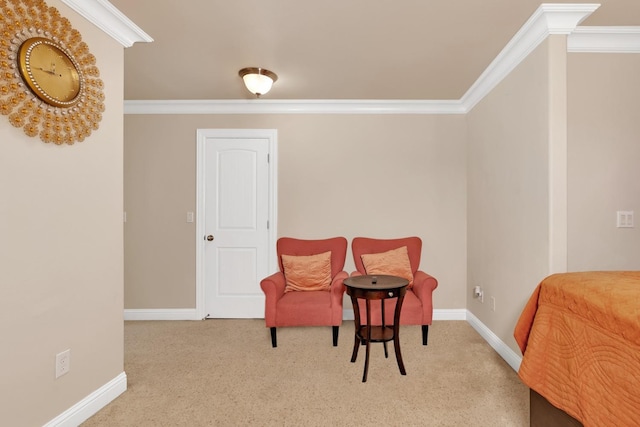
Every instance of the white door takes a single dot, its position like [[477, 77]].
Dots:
[[236, 241]]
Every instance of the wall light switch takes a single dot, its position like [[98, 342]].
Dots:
[[624, 219], [189, 216]]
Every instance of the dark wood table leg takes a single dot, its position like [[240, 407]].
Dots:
[[356, 344], [386, 352], [366, 359], [396, 334]]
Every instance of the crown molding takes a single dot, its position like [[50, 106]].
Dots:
[[604, 40], [549, 18], [109, 19], [279, 106]]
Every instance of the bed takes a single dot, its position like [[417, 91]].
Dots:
[[579, 334]]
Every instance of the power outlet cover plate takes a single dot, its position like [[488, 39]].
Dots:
[[63, 363]]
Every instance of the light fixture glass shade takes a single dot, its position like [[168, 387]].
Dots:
[[258, 80]]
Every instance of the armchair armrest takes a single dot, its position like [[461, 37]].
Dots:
[[337, 297], [337, 285], [273, 288], [423, 286]]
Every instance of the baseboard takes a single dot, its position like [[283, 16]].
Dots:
[[161, 314], [90, 405], [450, 314], [190, 314], [498, 345]]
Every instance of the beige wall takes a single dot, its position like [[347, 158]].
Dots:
[[604, 148], [552, 157], [351, 175], [509, 192], [61, 257], [548, 157]]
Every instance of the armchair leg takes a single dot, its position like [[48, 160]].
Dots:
[[425, 334], [335, 335], [274, 341]]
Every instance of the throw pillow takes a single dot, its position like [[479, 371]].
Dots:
[[393, 263], [307, 272]]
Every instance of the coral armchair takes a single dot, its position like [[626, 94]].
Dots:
[[286, 307], [417, 308]]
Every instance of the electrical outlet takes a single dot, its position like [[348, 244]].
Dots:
[[63, 363], [493, 303], [478, 293]]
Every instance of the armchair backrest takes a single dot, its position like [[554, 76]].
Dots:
[[365, 245], [300, 247]]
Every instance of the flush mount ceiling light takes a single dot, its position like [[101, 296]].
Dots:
[[258, 80]]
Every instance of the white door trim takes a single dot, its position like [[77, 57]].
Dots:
[[202, 134]]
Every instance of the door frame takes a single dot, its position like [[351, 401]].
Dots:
[[202, 134]]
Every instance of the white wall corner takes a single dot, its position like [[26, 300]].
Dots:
[[604, 40], [495, 342], [564, 18], [91, 404], [109, 19], [547, 19]]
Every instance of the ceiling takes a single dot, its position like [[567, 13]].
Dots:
[[331, 49]]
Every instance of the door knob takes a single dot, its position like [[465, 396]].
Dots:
[[209, 237]]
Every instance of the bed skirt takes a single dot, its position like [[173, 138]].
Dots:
[[544, 414]]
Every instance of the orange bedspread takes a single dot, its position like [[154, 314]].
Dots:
[[580, 338]]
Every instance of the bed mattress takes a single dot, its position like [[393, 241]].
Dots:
[[580, 338]]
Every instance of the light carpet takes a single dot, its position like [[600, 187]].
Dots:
[[224, 372]]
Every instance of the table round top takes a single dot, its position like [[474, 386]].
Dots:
[[376, 282]]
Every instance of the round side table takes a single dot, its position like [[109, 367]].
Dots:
[[369, 288]]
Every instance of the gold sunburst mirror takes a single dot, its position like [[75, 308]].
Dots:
[[49, 80]]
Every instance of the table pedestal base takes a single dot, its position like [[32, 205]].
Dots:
[[378, 334], [380, 288]]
